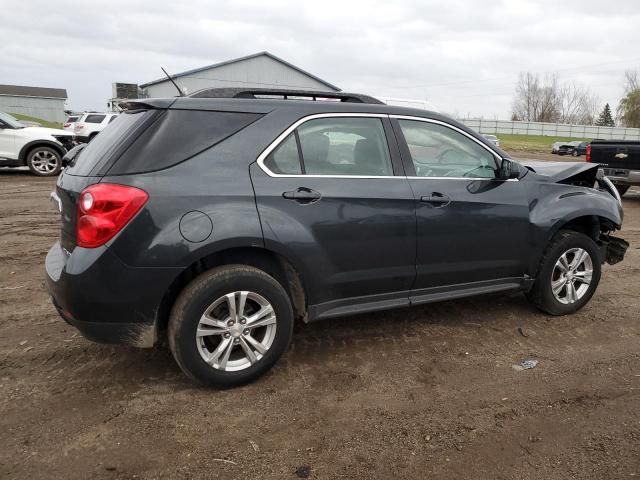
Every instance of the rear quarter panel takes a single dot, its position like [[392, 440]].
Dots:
[[216, 183]]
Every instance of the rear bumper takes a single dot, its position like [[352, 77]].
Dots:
[[105, 299], [632, 177]]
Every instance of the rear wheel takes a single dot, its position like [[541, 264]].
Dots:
[[568, 275], [44, 161], [575, 153], [230, 325], [622, 189]]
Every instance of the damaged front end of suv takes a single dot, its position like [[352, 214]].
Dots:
[[592, 206]]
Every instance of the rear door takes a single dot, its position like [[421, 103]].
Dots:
[[333, 198], [472, 227]]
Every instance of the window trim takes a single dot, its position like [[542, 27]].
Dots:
[[280, 138]]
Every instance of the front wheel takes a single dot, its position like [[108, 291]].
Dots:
[[44, 161], [230, 325], [568, 274]]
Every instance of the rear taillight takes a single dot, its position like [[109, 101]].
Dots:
[[66, 125], [103, 210], [79, 126], [588, 157]]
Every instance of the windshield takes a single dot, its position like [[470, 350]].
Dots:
[[9, 120]]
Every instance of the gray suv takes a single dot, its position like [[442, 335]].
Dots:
[[219, 219]]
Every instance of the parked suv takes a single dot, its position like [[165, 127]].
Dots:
[[220, 221], [92, 123], [40, 149]]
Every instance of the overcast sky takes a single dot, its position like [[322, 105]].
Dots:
[[463, 56]]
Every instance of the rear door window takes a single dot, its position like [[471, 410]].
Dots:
[[94, 119], [284, 160], [336, 146]]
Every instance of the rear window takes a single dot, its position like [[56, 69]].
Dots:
[[94, 119], [176, 136], [110, 143]]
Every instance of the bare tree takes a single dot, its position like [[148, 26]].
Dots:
[[550, 100], [527, 97], [632, 82]]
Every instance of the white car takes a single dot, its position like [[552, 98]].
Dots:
[[91, 124], [493, 139], [41, 149], [70, 124]]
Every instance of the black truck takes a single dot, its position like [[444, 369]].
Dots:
[[619, 159]]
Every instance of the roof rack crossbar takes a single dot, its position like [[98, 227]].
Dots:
[[255, 93]]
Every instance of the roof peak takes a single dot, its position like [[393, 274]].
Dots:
[[264, 53]]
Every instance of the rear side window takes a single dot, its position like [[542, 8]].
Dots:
[[176, 136], [348, 146], [111, 141], [94, 119]]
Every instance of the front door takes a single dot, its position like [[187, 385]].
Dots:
[[333, 199], [472, 227], [7, 142]]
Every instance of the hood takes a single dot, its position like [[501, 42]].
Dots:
[[561, 171], [42, 131]]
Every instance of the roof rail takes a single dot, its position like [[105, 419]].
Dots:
[[285, 94]]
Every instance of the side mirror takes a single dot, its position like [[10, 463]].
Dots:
[[509, 170]]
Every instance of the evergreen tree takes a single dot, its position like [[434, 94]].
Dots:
[[605, 119]]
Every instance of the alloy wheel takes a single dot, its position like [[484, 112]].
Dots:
[[571, 275], [44, 161], [236, 331]]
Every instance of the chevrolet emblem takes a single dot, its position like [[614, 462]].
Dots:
[[621, 155]]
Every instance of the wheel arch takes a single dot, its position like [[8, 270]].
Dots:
[[266, 260], [591, 224], [28, 147]]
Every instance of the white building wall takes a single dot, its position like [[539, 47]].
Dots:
[[552, 129], [50, 109], [257, 72]]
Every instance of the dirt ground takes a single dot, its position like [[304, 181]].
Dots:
[[419, 393]]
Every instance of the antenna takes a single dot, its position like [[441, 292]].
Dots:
[[173, 81]]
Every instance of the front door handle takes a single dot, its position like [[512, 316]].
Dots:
[[303, 195], [436, 199]]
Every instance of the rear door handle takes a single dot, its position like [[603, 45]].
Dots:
[[436, 199], [303, 195]]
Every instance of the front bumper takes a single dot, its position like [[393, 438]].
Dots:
[[105, 299]]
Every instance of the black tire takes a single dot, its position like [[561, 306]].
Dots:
[[541, 295], [194, 300], [622, 189], [44, 161], [575, 153]]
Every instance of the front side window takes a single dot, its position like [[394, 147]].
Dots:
[[340, 146], [439, 151]]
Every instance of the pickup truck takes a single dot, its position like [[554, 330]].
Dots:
[[619, 159]]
